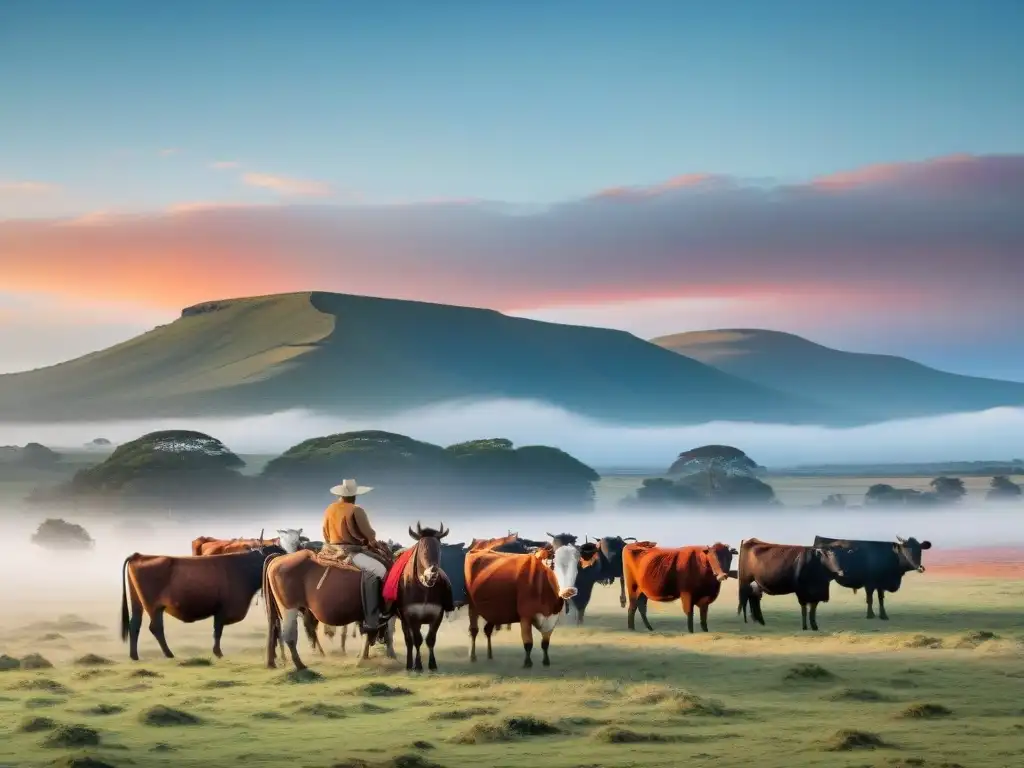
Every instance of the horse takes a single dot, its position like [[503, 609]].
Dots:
[[295, 583], [424, 593]]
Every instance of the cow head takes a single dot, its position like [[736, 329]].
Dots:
[[909, 553], [428, 553], [566, 565], [720, 559], [830, 558], [291, 539], [562, 539], [611, 548]]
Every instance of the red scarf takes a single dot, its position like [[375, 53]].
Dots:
[[395, 574]]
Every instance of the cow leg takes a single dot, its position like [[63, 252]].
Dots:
[[803, 614], [290, 635], [634, 601], [526, 627], [156, 626], [407, 636], [869, 593], [703, 615], [622, 591], [134, 625], [641, 604], [417, 636], [488, 631], [474, 630], [431, 641], [218, 630], [687, 600], [545, 643], [881, 606], [814, 617]]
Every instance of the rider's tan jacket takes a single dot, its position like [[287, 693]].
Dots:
[[346, 523]]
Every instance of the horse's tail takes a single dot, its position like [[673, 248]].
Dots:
[[125, 618]]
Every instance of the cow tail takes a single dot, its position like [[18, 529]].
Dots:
[[125, 618], [269, 601]]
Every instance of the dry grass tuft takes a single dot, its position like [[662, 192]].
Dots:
[[848, 740], [858, 694], [37, 724], [92, 660], [327, 711], [383, 689], [510, 729], [626, 736], [72, 737], [926, 711], [810, 673], [163, 717], [35, 661]]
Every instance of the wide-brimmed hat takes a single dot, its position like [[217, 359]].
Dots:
[[350, 488]]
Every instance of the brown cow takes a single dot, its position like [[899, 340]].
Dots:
[[693, 575], [506, 588], [190, 589], [208, 545], [786, 569]]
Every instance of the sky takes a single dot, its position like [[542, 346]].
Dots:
[[853, 173]]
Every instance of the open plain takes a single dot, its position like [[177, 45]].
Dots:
[[938, 685]]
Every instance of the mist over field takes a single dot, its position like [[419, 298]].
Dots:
[[97, 572], [988, 435]]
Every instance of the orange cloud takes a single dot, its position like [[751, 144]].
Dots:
[[288, 186], [677, 182], [884, 173]]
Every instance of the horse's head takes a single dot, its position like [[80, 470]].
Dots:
[[427, 559]]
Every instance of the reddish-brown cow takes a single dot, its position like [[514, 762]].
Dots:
[[506, 588], [190, 589], [693, 575], [207, 545]]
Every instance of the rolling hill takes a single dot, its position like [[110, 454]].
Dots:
[[878, 386], [361, 357]]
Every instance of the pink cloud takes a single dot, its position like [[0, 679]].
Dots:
[[288, 186], [683, 181], [28, 187], [225, 165]]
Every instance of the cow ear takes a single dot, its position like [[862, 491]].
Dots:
[[732, 551], [926, 545]]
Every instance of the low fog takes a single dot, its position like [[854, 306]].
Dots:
[[989, 435]]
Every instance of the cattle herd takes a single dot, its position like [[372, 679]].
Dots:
[[502, 581]]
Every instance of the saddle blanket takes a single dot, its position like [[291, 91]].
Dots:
[[395, 575]]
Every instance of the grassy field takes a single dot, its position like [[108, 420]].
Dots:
[[938, 685]]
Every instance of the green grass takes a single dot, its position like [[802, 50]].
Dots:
[[860, 693]]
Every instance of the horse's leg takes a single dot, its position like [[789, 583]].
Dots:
[[290, 635], [431, 640], [273, 637], [407, 636], [488, 630], [156, 626], [417, 636], [391, 637], [218, 630]]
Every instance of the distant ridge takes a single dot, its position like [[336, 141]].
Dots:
[[880, 387], [360, 356]]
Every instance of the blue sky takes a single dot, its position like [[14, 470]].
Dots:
[[201, 112], [519, 102]]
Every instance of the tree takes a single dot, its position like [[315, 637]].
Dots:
[[54, 533], [949, 489], [1002, 488], [404, 470], [724, 458], [163, 466], [834, 500], [39, 456], [695, 489]]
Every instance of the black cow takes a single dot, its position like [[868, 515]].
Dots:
[[786, 569], [611, 547], [876, 566]]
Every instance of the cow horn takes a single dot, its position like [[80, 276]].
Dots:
[[551, 535], [419, 528], [630, 538], [261, 536], [444, 531], [901, 540], [413, 533]]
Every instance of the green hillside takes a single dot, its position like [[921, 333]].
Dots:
[[362, 356], [879, 386]]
